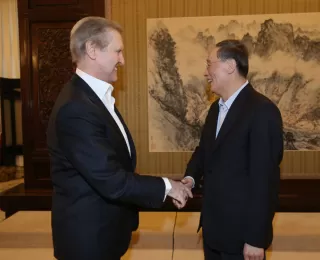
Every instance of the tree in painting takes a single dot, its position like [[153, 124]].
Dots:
[[182, 105], [284, 61]]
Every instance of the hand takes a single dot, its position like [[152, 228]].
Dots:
[[180, 193], [253, 253], [187, 182]]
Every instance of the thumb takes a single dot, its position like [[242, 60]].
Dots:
[[184, 181]]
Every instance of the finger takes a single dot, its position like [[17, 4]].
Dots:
[[189, 192], [176, 203], [185, 181], [246, 256], [258, 256], [184, 193], [181, 198], [182, 202], [177, 200], [185, 197]]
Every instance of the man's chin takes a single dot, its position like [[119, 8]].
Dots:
[[213, 89], [112, 79]]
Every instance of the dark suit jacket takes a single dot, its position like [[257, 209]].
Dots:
[[240, 170], [95, 189]]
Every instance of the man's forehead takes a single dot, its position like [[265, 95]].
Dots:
[[113, 34], [115, 38], [213, 54]]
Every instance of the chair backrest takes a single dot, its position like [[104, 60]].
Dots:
[[10, 94]]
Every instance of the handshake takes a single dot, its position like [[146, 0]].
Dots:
[[180, 192]]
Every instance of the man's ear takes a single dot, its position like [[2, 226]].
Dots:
[[231, 65], [91, 50]]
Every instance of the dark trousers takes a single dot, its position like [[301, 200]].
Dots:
[[211, 254]]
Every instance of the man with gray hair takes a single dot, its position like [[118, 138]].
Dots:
[[238, 157], [96, 192]]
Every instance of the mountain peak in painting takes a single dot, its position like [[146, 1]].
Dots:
[[274, 37], [284, 62]]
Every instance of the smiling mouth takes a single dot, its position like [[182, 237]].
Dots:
[[116, 67]]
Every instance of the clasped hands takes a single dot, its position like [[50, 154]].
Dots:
[[181, 192]]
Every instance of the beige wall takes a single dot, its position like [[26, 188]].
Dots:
[[131, 89]]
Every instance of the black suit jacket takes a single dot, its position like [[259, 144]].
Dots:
[[95, 189], [240, 170]]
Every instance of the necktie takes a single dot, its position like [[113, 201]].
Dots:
[[223, 109]]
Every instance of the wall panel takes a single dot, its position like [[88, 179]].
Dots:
[[131, 89]]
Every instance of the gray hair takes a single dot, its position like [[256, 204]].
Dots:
[[93, 29]]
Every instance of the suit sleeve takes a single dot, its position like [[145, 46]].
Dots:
[[195, 167], [266, 151], [84, 142]]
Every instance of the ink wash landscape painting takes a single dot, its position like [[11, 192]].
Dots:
[[284, 65]]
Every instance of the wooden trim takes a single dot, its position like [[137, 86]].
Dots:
[[108, 6], [40, 21], [295, 196]]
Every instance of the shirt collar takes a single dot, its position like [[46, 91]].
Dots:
[[101, 88], [231, 99]]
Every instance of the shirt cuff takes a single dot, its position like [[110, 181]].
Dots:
[[168, 187], [189, 177]]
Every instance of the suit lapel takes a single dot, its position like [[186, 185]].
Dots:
[[233, 116], [97, 101], [130, 139], [215, 114]]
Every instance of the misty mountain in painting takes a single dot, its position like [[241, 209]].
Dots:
[[284, 66]]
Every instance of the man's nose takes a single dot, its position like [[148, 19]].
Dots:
[[206, 72], [121, 59]]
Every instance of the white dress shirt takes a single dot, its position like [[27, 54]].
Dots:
[[223, 111], [104, 91], [225, 106]]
